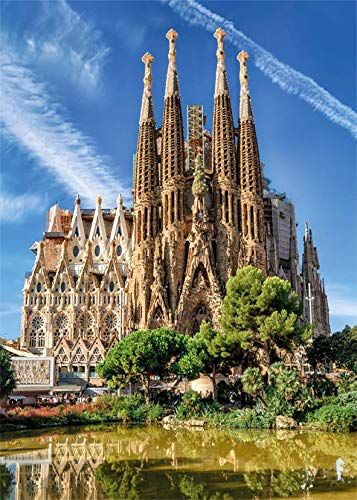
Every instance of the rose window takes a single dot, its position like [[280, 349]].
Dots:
[[111, 321], [61, 322], [37, 323]]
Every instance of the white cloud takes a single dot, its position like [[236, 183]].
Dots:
[[15, 208], [62, 37], [37, 123], [289, 79], [342, 301]]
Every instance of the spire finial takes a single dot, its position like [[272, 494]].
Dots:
[[147, 59], [219, 35], [98, 200], [171, 80], [146, 105], [221, 86], [306, 230], [78, 200], [243, 57], [120, 200]]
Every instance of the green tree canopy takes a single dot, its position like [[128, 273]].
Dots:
[[339, 349], [7, 374], [261, 316], [141, 355], [207, 353]]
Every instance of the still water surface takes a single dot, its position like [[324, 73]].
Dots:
[[154, 463]]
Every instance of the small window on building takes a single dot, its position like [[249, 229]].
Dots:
[[97, 251], [92, 372], [75, 251], [111, 286], [119, 250], [38, 287], [63, 286]]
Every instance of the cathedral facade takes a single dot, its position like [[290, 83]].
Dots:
[[201, 210]]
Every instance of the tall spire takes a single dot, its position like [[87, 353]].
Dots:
[[172, 178], [172, 156], [223, 154], [251, 180], [146, 164]]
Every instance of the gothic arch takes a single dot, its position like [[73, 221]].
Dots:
[[60, 325], [37, 333], [110, 326]]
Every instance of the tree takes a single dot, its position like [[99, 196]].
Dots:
[[339, 349], [7, 374], [253, 383], [261, 316], [207, 353], [141, 355]]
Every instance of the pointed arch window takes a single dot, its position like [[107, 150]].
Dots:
[[60, 327], [37, 335], [110, 327]]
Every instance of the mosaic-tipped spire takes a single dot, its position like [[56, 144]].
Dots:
[[146, 161], [172, 155], [172, 87], [245, 107], [147, 111], [221, 75], [223, 142]]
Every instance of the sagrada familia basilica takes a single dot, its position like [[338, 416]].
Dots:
[[201, 210]]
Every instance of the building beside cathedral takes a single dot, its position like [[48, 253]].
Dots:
[[201, 210]]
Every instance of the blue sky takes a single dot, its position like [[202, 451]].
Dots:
[[71, 91]]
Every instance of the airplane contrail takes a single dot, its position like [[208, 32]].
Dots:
[[288, 78]]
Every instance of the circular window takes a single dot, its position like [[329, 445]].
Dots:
[[119, 250], [97, 251], [63, 286], [111, 286], [75, 251], [38, 287]]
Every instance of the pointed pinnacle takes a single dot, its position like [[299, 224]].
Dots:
[[98, 200], [78, 200], [243, 56], [219, 34], [172, 35], [147, 58]]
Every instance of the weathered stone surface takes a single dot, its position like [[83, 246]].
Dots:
[[284, 422]]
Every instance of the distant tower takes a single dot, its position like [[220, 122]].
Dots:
[[225, 171], [173, 181], [145, 206], [253, 228], [313, 290]]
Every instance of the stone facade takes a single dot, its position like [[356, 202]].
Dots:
[[200, 212]]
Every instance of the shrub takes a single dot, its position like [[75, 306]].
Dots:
[[346, 382], [192, 405], [334, 417]]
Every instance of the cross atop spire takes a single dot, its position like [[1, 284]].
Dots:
[[146, 104], [171, 80]]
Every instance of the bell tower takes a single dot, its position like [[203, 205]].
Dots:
[[173, 181], [145, 206], [252, 249]]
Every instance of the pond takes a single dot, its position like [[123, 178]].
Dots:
[[115, 462]]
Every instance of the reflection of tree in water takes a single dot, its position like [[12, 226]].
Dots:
[[122, 463], [7, 481], [119, 480]]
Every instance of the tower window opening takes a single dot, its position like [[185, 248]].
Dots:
[[172, 206], [252, 231]]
